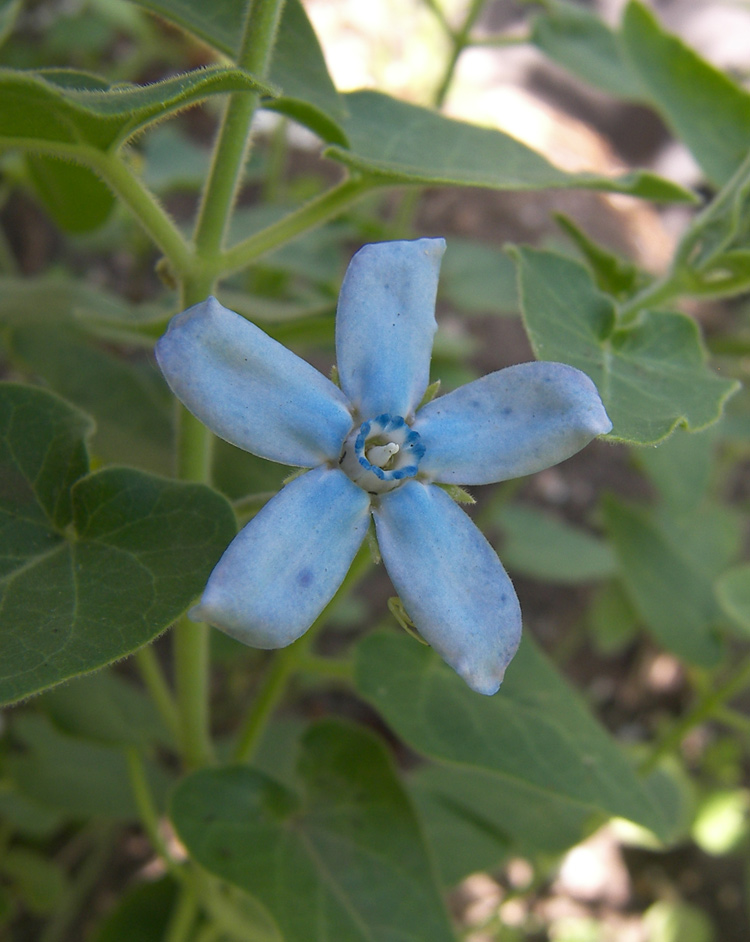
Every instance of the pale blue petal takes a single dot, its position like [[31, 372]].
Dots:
[[386, 323], [450, 581], [282, 569], [250, 390], [510, 423]]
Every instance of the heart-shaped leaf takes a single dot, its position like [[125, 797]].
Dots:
[[91, 566], [346, 857]]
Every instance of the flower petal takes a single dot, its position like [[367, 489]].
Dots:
[[250, 390], [386, 323], [282, 569], [450, 581], [510, 423]]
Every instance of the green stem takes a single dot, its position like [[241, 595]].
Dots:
[[703, 711], [312, 214], [289, 660], [659, 291], [116, 173], [461, 39], [330, 668], [184, 915], [233, 144], [156, 684], [146, 808]]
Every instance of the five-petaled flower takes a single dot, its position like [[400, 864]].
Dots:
[[372, 450]]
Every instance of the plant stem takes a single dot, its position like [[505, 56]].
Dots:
[[461, 39], [145, 804], [312, 214], [659, 291], [703, 711], [156, 684], [233, 144], [183, 915], [287, 661]]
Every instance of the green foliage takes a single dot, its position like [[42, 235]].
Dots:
[[402, 143], [652, 375], [75, 109], [707, 110], [82, 551], [347, 854], [293, 829], [539, 545], [583, 44], [535, 732]]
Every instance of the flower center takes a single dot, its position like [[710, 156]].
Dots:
[[381, 454]]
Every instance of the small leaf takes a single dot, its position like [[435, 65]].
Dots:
[[583, 44], [402, 143], [535, 733], [347, 858], [613, 275], [539, 545], [79, 778], [75, 197], [105, 708], [669, 580], [651, 376], [92, 566], [704, 107], [74, 108]]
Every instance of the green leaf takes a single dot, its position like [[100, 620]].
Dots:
[[298, 66], [733, 593], [402, 143], [680, 466], [39, 882], [613, 274], [652, 376], [535, 733], [143, 912], [126, 395], [583, 44], [475, 819], [80, 778], [345, 861], [75, 197], [9, 10], [105, 708], [92, 567], [611, 619], [704, 107], [667, 572], [73, 108], [712, 257], [539, 545]]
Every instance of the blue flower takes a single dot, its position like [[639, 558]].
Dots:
[[372, 450]]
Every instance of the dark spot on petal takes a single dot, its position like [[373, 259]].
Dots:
[[506, 411], [503, 598], [305, 577]]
